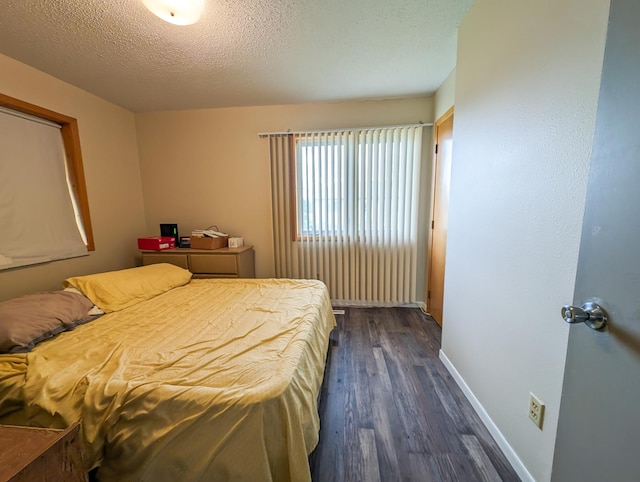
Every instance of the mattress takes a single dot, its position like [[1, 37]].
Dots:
[[213, 380]]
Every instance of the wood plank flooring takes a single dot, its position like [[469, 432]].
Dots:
[[390, 411]]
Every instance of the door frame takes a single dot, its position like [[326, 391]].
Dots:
[[434, 178]]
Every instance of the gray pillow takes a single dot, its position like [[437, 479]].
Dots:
[[30, 319]]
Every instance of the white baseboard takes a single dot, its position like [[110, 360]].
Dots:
[[508, 451], [375, 304]]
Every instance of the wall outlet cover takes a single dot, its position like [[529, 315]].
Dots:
[[536, 410]]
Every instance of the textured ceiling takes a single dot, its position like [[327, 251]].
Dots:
[[242, 52]]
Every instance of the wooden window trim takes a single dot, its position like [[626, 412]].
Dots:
[[71, 141]]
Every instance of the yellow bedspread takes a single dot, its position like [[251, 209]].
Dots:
[[214, 380]]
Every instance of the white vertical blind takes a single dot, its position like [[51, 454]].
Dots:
[[36, 212], [355, 210]]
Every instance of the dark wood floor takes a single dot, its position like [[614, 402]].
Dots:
[[390, 410]]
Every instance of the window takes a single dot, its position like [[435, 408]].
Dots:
[[321, 187], [352, 184], [43, 200]]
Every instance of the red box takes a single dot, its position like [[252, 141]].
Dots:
[[157, 243]]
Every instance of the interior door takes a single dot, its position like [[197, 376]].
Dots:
[[599, 422], [438, 250]]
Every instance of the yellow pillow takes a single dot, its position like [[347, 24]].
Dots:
[[116, 290]]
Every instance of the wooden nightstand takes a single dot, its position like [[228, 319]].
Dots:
[[30, 454], [207, 263]]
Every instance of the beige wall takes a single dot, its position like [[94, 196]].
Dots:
[[526, 93], [199, 167], [204, 167], [445, 96], [109, 149]]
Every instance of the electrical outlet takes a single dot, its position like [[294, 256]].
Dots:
[[536, 410]]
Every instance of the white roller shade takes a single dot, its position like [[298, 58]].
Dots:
[[37, 217]]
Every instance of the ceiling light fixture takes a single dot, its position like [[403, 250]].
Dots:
[[178, 12]]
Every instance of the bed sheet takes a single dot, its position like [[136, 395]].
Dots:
[[214, 380]]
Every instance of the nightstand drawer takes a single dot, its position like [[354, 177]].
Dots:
[[177, 259], [207, 263], [221, 264]]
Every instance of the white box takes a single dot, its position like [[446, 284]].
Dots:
[[236, 242]]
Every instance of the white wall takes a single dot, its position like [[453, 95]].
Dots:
[[526, 91], [112, 173]]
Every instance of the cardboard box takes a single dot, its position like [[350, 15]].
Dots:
[[209, 243], [157, 243]]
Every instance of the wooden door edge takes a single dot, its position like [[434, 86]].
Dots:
[[436, 124]]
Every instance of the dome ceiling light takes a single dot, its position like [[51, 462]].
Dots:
[[177, 12]]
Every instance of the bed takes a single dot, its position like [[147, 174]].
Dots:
[[184, 380]]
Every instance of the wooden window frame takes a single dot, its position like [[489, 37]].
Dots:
[[71, 142]]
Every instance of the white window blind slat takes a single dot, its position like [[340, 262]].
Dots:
[[356, 196]]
